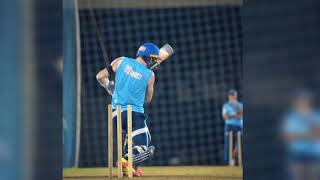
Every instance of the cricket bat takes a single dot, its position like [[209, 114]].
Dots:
[[165, 52]]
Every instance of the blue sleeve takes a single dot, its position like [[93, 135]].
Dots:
[[224, 109], [292, 125]]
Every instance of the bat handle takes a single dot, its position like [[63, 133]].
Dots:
[[155, 65]]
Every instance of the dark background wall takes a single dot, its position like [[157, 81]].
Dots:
[[185, 115], [281, 42], [47, 90]]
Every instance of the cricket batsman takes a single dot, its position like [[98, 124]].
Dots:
[[130, 81]]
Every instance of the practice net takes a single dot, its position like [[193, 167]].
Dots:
[[185, 118]]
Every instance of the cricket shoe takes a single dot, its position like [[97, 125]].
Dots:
[[137, 172]]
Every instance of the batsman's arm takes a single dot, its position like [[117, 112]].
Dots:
[[106, 76], [109, 70], [103, 78], [103, 74], [150, 89], [116, 63]]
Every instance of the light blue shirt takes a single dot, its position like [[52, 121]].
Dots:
[[230, 109], [298, 123], [131, 83]]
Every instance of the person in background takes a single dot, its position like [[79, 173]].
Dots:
[[301, 134], [232, 112]]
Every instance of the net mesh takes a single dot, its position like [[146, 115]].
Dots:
[[185, 118]]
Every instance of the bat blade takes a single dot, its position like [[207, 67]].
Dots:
[[165, 52]]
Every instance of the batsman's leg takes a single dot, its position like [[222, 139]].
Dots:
[[140, 141], [141, 149]]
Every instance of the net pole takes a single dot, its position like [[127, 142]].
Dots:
[[78, 64]]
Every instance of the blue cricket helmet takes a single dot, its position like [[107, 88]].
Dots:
[[148, 50]]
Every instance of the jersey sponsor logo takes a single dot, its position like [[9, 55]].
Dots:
[[128, 70]]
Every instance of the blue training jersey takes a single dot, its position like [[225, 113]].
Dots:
[[229, 109], [131, 83], [298, 123]]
